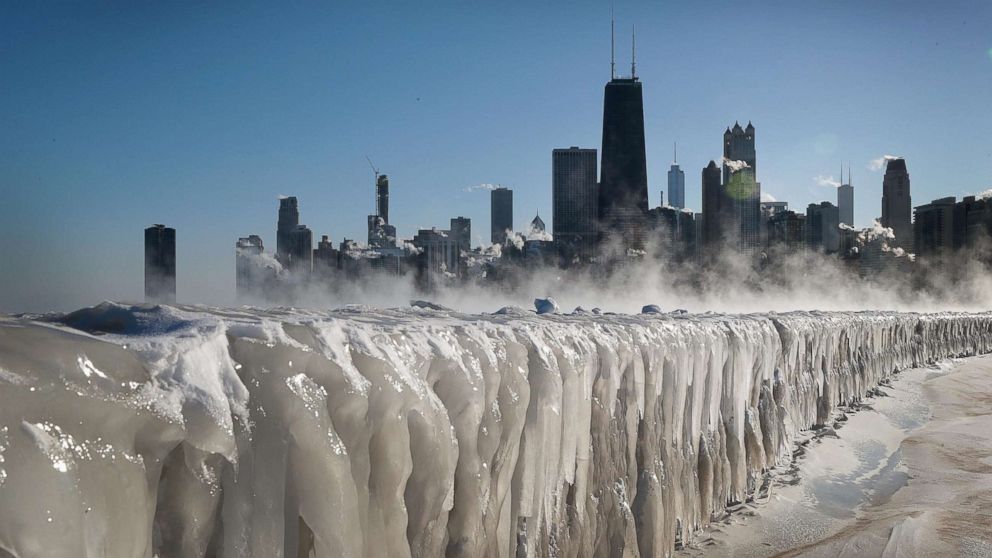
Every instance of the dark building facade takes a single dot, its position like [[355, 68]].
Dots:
[[461, 233], [501, 218], [623, 188], [289, 219], [574, 200], [933, 230], [717, 210], [299, 253], [786, 231], [382, 197], [897, 204], [972, 221], [160, 264], [740, 180], [823, 227]]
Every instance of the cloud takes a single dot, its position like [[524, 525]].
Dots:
[[878, 164], [735, 166], [986, 195], [826, 181], [766, 197], [483, 186]]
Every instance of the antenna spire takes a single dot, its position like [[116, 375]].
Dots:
[[675, 153], [633, 53], [613, 58]]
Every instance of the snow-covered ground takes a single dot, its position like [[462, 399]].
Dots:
[[908, 474], [133, 431]]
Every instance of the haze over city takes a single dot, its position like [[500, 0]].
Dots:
[[204, 117]]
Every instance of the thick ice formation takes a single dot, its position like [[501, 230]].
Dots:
[[417, 432]]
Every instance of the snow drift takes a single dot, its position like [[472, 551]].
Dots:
[[178, 431]]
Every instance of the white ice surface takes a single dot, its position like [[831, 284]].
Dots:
[[140, 431]]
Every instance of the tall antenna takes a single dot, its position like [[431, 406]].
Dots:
[[675, 153], [633, 53], [613, 58]]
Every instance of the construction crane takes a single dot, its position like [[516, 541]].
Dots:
[[374, 169], [375, 193]]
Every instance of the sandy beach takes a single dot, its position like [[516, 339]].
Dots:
[[907, 474]]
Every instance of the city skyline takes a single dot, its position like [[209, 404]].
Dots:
[[330, 208]]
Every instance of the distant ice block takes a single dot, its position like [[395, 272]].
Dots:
[[546, 305], [164, 431], [651, 309]]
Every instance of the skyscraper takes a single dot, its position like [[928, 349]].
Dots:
[[461, 233], [716, 207], [623, 188], [574, 200], [289, 218], [501, 219], [822, 227], [933, 229], [253, 273], [740, 180], [845, 200], [676, 184], [300, 250], [160, 264], [897, 205], [382, 197]]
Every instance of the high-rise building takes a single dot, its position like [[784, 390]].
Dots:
[[461, 233], [382, 197], [933, 230], [897, 204], [740, 180], [439, 255], [786, 230], [768, 210], [822, 227], [845, 200], [160, 264], [972, 221], [574, 200], [676, 185], [255, 274], [501, 208], [716, 208], [325, 258], [623, 188], [289, 218], [299, 252]]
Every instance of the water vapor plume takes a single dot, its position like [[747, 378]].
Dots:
[[879, 164], [826, 181], [735, 166]]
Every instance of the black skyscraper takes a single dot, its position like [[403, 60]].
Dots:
[[623, 190], [740, 180], [501, 201], [289, 218], [382, 197], [717, 211], [897, 205], [574, 199], [160, 264]]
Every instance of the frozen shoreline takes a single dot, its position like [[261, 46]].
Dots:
[[910, 474], [129, 431]]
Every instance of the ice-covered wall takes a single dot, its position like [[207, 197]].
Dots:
[[187, 432]]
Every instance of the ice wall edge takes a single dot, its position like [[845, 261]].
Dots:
[[181, 431]]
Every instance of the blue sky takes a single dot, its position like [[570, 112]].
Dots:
[[118, 115]]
